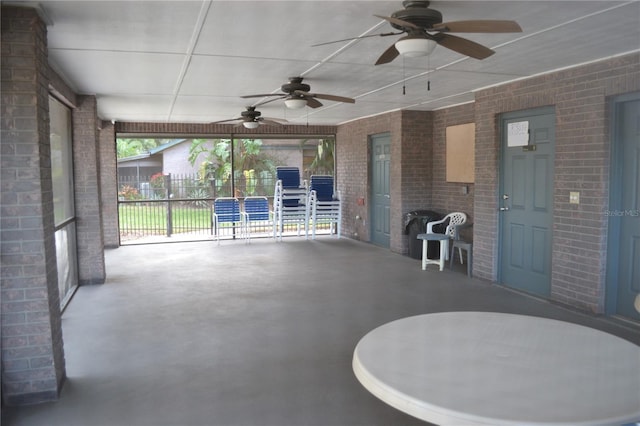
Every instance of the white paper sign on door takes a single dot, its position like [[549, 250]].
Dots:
[[518, 133]]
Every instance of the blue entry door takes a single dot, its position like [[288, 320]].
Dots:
[[526, 200], [623, 260], [380, 216]]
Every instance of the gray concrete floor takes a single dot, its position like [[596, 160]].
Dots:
[[250, 334]]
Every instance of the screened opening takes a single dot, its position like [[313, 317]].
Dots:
[[167, 187], [63, 199]]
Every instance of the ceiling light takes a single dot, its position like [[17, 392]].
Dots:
[[412, 47], [250, 124], [295, 103]]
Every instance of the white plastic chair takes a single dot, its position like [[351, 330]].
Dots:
[[462, 244], [454, 219]]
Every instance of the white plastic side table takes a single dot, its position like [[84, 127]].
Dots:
[[444, 249]]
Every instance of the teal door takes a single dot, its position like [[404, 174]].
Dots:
[[526, 200], [623, 260], [379, 216]]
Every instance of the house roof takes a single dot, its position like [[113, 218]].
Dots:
[[153, 151]]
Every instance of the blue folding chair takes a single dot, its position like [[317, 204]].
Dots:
[[290, 201], [257, 213], [323, 185], [290, 176], [226, 210], [324, 205]]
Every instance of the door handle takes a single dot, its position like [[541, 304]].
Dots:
[[504, 209]]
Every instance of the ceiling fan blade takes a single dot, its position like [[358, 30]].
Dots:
[[388, 55], [464, 46], [269, 101], [400, 22], [479, 26], [275, 120], [269, 122], [264, 95], [226, 121], [327, 97], [313, 102], [356, 38]]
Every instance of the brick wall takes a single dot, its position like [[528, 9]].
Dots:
[[32, 350], [90, 241], [449, 196], [410, 172], [352, 158], [416, 172], [108, 184], [191, 129], [581, 98]]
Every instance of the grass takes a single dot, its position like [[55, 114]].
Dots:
[[151, 218]]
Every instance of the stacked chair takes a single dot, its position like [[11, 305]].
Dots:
[[324, 204], [226, 210], [290, 201]]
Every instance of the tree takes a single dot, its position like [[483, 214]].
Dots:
[[324, 162], [216, 165], [252, 168]]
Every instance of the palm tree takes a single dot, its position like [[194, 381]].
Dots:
[[251, 168], [324, 162]]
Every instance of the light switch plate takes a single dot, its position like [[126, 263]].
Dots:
[[574, 197]]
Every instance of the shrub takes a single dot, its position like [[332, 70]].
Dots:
[[128, 192]]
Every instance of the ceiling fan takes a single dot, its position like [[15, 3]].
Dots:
[[296, 95], [425, 30], [251, 119]]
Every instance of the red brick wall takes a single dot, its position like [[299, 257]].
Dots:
[[416, 172], [187, 129], [410, 173], [580, 96], [352, 158], [449, 196]]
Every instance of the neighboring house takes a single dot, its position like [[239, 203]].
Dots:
[[173, 158], [170, 158], [161, 159]]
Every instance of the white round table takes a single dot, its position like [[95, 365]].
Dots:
[[458, 368]]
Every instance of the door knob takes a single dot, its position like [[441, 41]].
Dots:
[[505, 197]]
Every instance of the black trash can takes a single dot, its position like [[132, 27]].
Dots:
[[416, 223]]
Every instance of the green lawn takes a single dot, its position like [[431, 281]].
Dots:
[[151, 218]]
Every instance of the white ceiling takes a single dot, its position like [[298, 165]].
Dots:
[[190, 61]]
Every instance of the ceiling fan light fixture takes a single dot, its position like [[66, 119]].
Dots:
[[413, 47], [250, 124], [295, 103]]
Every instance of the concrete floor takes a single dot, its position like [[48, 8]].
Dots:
[[250, 334]]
